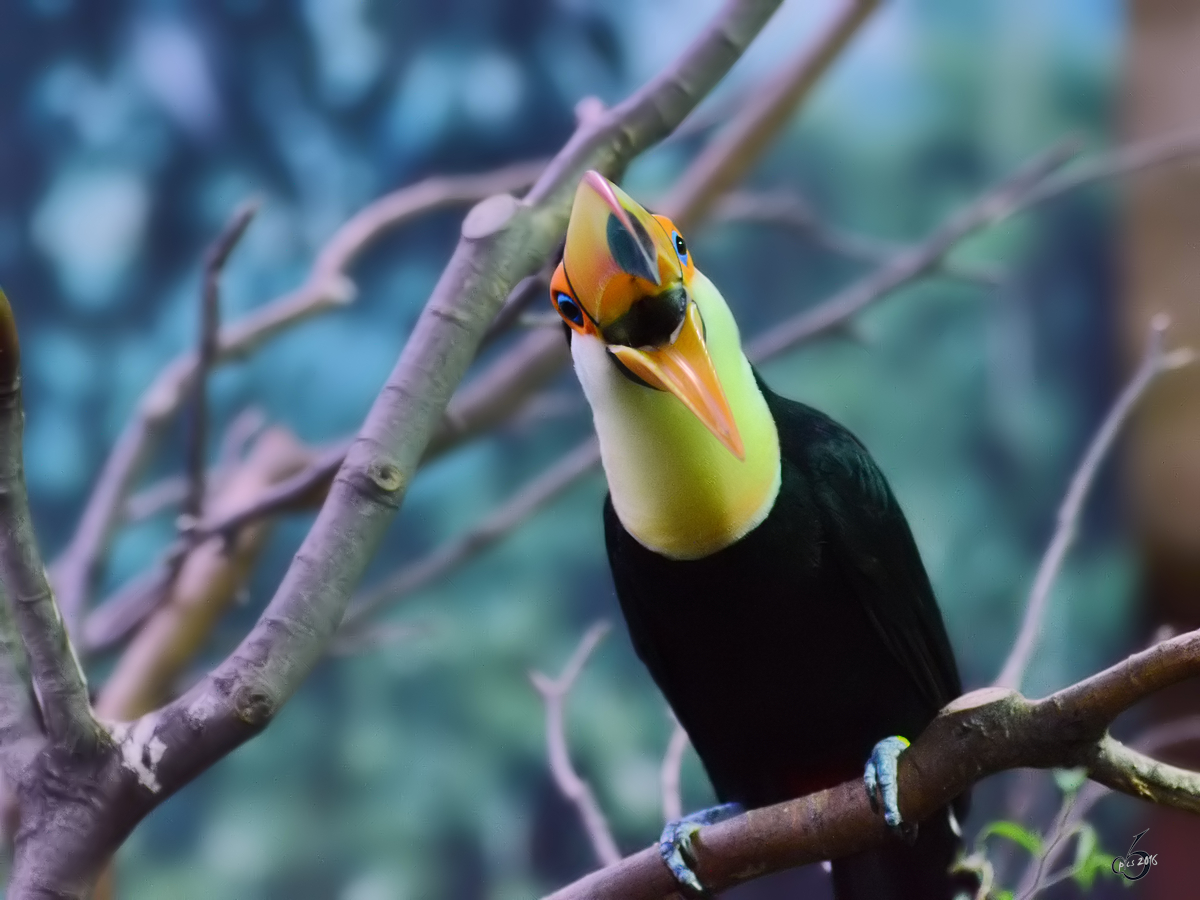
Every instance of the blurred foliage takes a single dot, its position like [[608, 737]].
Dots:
[[132, 127]]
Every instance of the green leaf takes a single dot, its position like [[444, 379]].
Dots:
[[1070, 780], [1085, 854], [1018, 834]]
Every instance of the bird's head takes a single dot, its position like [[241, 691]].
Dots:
[[625, 281]]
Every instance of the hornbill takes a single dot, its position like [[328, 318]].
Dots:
[[768, 576]]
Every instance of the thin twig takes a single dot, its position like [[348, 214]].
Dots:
[[669, 776], [57, 676], [207, 348], [554, 692], [533, 497], [1129, 160], [787, 209], [995, 206], [1079, 805], [327, 287], [1155, 361]]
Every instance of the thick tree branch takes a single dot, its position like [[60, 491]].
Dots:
[[1155, 361], [57, 677], [327, 287], [20, 734], [979, 734], [554, 693]]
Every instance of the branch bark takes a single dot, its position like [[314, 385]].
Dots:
[[979, 734], [1155, 361], [327, 287], [57, 676], [554, 693]]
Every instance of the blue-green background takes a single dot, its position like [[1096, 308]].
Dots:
[[128, 132]]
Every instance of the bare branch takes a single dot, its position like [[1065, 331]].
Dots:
[[554, 692], [209, 579], [977, 735], [1076, 806], [993, 207], [1124, 161], [20, 733], [57, 677], [787, 209], [533, 497], [1155, 361], [327, 287], [727, 158], [672, 766], [207, 348]]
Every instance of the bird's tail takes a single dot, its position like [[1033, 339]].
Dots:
[[899, 871]]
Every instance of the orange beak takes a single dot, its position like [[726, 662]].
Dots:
[[618, 255], [684, 368]]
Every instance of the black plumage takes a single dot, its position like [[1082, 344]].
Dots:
[[790, 653]]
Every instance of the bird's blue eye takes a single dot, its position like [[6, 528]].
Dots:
[[569, 309], [680, 247]]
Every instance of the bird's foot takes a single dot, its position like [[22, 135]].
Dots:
[[675, 845], [882, 784]]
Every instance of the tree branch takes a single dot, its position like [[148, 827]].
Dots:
[[207, 348], [728, 157], [787, 209], [979, 734], [57, 677], [554, 693], [209, 579], [995, 206], [327, 287], [1155, 361], [1075, 807], [533, 497]]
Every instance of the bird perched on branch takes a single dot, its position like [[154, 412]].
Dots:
[[767, 574]]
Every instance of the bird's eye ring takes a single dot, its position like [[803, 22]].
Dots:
[[569, 309], [680, 247]]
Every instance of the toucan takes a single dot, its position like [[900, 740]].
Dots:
[[767, 574]]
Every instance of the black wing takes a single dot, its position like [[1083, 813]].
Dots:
[[871, 543]]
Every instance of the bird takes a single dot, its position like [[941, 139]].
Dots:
[[769, 579]]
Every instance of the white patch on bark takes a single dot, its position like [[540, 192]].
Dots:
[[141, 750], [202, 708]]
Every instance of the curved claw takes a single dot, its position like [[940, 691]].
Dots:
[[882, 784], [675, 845], [675, 848]]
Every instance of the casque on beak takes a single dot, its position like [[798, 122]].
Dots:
[[636, 296]]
